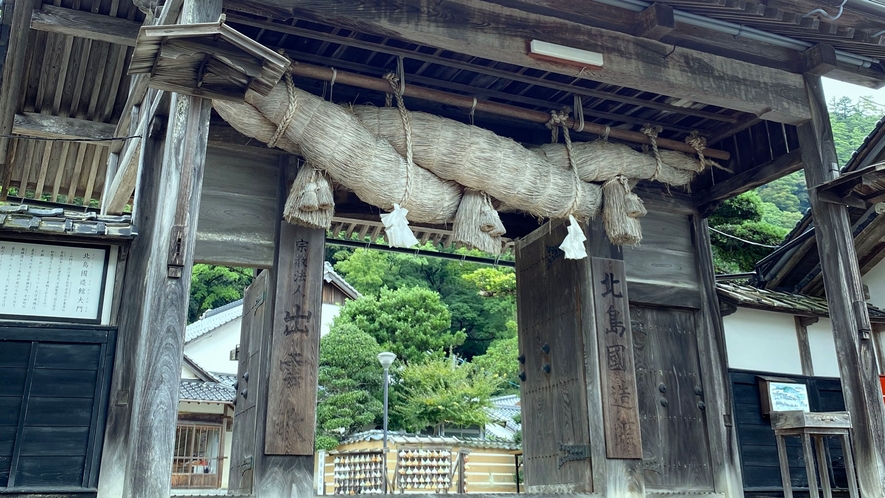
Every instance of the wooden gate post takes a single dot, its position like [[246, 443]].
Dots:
[[286, 392], [848, 312], [140, 433]]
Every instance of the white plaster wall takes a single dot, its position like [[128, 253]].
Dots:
[[212, 350], [762, 341], [875, 281], [187, 373], [330, 311], [823, 349], [225, 468]]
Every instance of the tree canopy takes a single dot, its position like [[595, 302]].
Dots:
[[349, 384], [409, 322], [213, 286], [443, 391]]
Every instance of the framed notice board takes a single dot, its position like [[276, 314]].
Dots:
[[52, 282]]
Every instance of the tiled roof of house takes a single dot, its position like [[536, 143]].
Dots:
[[752, 297], [212, 319], [59, 221], [198, 390], [216, 317]]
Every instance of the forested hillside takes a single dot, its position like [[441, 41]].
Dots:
[[764, 216]]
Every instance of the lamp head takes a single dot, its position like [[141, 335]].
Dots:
[[386, 359]]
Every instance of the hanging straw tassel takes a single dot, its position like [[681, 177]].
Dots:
[[621, 229], [310, 201], [489, 220], [635, 206], [477, 222]]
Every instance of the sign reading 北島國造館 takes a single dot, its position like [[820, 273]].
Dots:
[[52, 281]]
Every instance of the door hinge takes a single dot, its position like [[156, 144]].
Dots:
[[572, 452]]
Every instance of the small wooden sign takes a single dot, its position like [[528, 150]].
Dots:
[[618, 373], [292, 392], [40, 281]]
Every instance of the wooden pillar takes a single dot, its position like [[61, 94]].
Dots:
[[140, 434], [842, 281], [286, 394], [563, 390], [724, 448]]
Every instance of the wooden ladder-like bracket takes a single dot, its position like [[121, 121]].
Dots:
[[175, 261]]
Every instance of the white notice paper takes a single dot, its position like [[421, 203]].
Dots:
[[52, 281]]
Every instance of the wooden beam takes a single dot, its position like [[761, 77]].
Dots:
[[631, 62], [820, 59], [49, 126], [120, 187], [721, 431], [12, 80], [655, 22], [87, 25], [851, 322], [750, 179]]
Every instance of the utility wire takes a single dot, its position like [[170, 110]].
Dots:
[[109, 139], [743, 240]]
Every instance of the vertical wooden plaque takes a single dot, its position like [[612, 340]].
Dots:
[[292, 389], [617, 370]]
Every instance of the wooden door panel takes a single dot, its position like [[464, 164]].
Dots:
[[674, 431], [243, 442], [554, 399]]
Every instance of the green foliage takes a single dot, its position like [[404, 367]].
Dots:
[[482, 317], [851, 123], [787, 193], [440, 391], [350, 383], [410, 321], [213, 286], [493, 282], [741, 217], [501, 360]]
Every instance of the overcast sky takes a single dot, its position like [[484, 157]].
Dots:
[[838, 89]]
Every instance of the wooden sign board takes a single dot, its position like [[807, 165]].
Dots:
[[52, 281], [617, 370], [292, 391]]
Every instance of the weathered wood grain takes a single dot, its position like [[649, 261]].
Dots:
[[291, 403], [620, 400], [244, 438], [628, 61], [842, 281], [82, 24], [718, 397], [554, 393], [655, 22], [49, 126]]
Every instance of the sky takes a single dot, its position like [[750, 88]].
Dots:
[[838, 89]]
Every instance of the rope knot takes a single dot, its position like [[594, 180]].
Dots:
[[652, 133], [290, 111]]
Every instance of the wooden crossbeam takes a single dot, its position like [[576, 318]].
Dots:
[[629, 61], [85, 25], [750, 179], [655, 22], [49, 126]]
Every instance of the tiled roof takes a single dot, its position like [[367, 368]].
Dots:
[[58, 221], [752, 297], [397, 438], [226, 379], [331, 276], [212, 319], [197, 390]]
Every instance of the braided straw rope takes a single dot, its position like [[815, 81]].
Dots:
[[290, 112], [397, 84], [652, 133], [558, 120]]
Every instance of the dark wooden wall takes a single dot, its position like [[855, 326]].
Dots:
[[758, 451], [53, 402]]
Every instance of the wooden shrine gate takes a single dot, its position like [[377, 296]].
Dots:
[[622, 400]]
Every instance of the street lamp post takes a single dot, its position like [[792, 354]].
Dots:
[[386, 359]]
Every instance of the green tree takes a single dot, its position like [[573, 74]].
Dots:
[[439, 391], [410, 321], [213, 286], [493, 282], [501, 360], [349, 384], [741, 218]]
